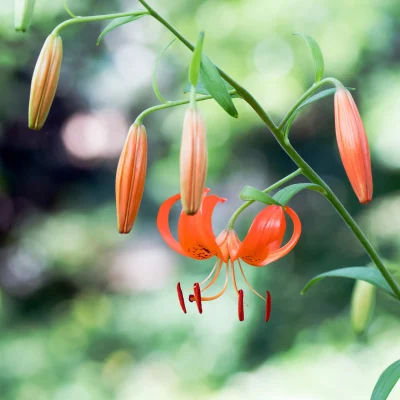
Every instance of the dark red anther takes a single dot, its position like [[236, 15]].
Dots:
[[180, 297], [191, 298], [197, 294], [240, 305], [268, 306]]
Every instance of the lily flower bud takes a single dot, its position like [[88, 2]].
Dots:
[[362, 305], [353, 145], [193, 161], [45, 81], [131, 175], [23, 14]]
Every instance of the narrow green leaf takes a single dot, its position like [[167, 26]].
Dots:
[[115, 23], [214, 84], [318, 96], [316, 54], [200, 89], [386, 382], [250, 193], [287, 193], [310, 100], [194, 68], [367, 274], [155, 86]]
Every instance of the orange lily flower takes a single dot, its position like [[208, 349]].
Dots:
[[353, 145], [261, 246]]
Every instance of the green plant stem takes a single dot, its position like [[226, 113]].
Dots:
[[170, 104], [77, 20], [307, 170], [269, 189]]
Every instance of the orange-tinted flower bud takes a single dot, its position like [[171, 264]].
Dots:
[[193, 161], [353, 145], [131, 174], [45, 81]]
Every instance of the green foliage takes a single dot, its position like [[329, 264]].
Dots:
[[215, 85], [367, 274], [194, 68], [250, 193], [287, 193], [316, 54], [115, 23], [386, 382]]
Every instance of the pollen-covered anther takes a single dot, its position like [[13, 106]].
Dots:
[[268, 306], [240, 305], [197, 297], [180, 297]]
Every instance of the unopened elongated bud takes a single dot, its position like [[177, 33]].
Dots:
[[131, 175], [23, 14], [353, 145], [193, 161], [362, 305], [45, 81]]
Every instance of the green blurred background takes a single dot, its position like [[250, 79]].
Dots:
[[88, 314]]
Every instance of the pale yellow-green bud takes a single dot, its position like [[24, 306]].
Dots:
[[362, 306], [23, 14]]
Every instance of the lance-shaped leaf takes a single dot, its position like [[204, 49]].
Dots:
[[367, 274], [316, 53], [310, 100], [250, 193], [386, 382], [115, 23], [200, 89], [286, 194], [214, 84], [194, 67], [155, 86]]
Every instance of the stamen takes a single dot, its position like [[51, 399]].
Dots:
[[191, 298], [180, 297], [197, 294], [247, 282], [234, 279], [268, 306], [215, 276], [240, 306], [223, 289], [210, 274]]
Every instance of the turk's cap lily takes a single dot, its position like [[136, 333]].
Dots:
[[353, 145], [45, 81], [23, 14], [130, 178], [193, 161], [261, 246]]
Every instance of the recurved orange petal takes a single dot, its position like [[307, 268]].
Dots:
[[163, 224], [279, 253], [267, 229]]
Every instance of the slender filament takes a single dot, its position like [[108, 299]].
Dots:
[[223, 289], [247, 282]]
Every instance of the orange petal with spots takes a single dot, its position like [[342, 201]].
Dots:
[[267, 229], [195, 232]]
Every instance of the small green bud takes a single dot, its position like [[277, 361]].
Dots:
[[23, 14], [362, 306]]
